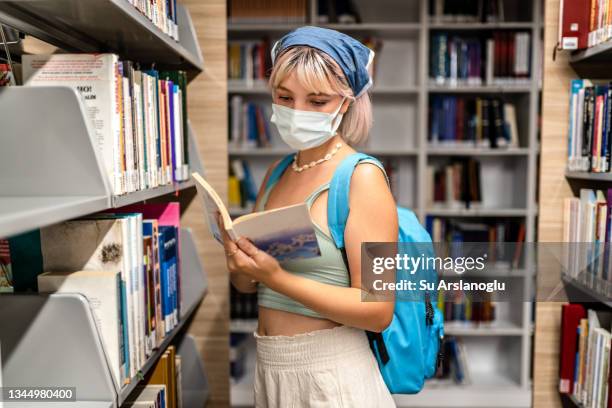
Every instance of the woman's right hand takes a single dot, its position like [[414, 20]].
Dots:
[[241, 281]]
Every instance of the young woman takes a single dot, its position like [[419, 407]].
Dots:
[[312, 350]]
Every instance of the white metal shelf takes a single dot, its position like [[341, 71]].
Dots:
[[494, 328], [109, 25], [403, 120], [461, 88], [279, 151], [461, 150], [48, 182], [473, 26], [477, 212], [260, 87], [396, 28], [61, 327], [486, 391]]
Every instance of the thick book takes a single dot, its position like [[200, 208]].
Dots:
[[570, 320], [103, 291], [285, 233]]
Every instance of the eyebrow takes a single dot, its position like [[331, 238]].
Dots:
[[282, 88]]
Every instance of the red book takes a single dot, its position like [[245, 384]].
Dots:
[[574, 22], [609, 403], [570, 320]]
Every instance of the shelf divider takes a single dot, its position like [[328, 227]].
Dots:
[[195, 386], [52, 341], [51, 167]]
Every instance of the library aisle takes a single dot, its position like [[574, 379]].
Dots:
[[129, 129]]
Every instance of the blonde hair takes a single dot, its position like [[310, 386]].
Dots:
[[318, 73]]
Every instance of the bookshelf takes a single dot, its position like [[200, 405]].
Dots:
[[61, 327], [401, 98], [50, 171]]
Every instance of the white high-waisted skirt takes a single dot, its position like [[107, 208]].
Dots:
[[324, 368]]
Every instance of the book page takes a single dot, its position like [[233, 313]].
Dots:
[[285, 233], [213, 205]]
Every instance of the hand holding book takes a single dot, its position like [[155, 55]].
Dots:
[[285, 233]]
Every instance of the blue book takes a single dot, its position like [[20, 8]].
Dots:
[[168, 258]]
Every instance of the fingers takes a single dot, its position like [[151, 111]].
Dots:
[[247, 247]]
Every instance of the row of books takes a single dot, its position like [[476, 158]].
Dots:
[[484, 122], [463, 309], [502, 59], [456, 184], [454, 362], [249, 123], [486, 11], [248, 60], [242, 305], [125, 262], [162, 13], [587, 226], [585, 358], [590, 125], [241, 189], [584, 24], [162, 387], [495, 233], [267, 11], [448, 230], [139, 117]]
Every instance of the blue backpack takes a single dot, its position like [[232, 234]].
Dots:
[[408, 350]]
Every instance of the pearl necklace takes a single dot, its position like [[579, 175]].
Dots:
[[327, 157]]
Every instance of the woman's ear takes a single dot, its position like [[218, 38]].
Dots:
[[345, 105]]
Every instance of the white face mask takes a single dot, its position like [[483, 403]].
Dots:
[[305, 129]]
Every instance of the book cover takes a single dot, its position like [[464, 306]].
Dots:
[[94, 77], [96, 245], [571, 314], [285, 233]]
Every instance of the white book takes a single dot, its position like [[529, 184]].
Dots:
[[148, 394], [140, 139], [128, 135], [236, 131], [94, 245], [146, 109], [95, 77], [490, 63], [139, 270], [510, 118], [103, 291], [179, 137]]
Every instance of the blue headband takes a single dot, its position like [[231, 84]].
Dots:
[[353, 57]]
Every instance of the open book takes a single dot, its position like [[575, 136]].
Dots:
[[285, 233]]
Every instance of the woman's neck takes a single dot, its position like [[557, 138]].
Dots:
[[315, 153]]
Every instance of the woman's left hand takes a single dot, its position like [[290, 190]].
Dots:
[[257, 264]]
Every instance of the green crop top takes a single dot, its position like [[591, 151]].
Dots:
[[328, 268]]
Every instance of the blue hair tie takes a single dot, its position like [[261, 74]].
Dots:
[[353, 57]]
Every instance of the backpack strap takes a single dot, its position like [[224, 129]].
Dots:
[[278, 171], [338, 198], [337, 215]]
